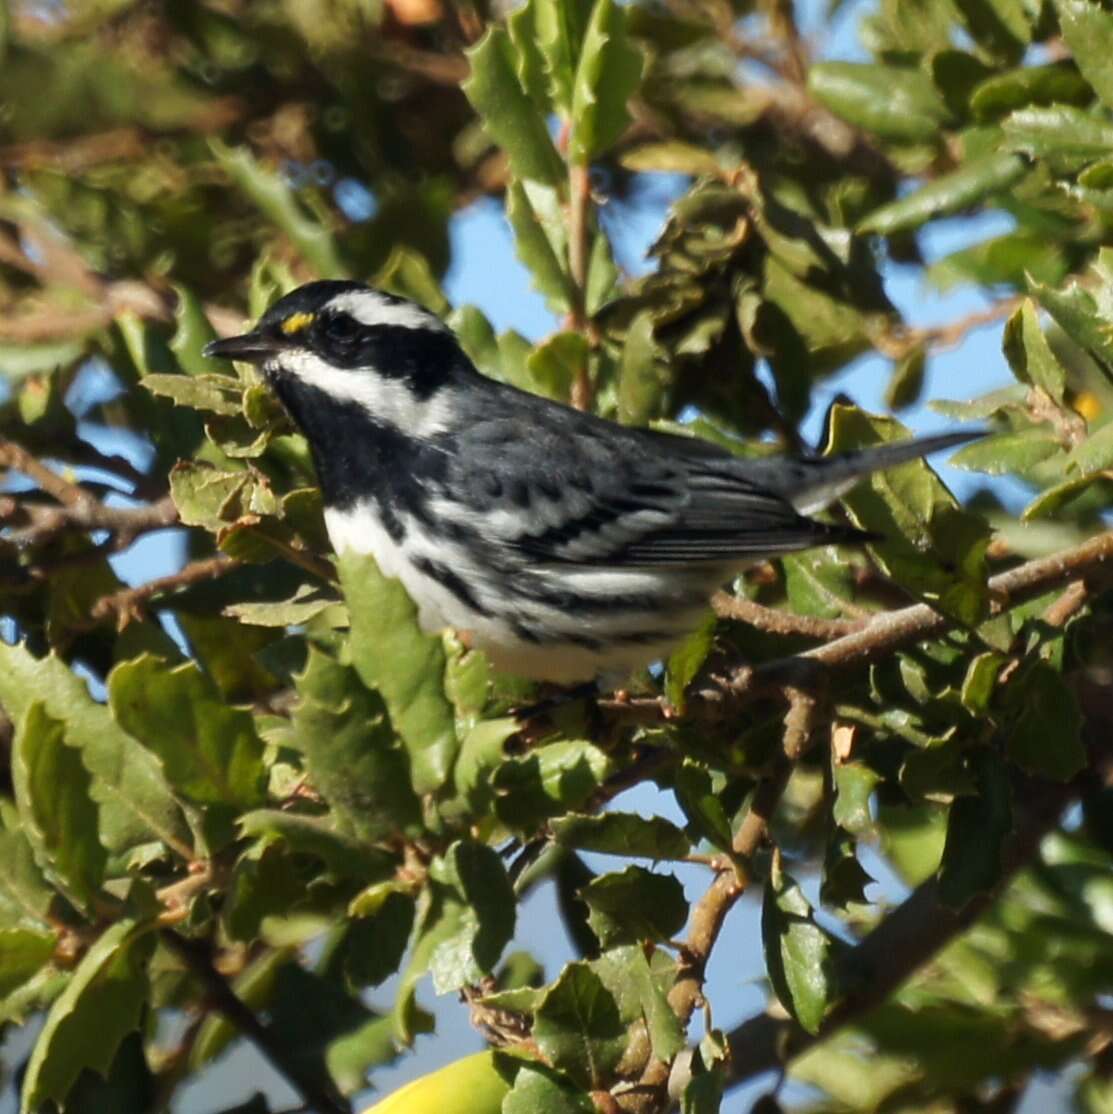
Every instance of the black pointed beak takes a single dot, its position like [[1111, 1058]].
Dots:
[[251, 348]]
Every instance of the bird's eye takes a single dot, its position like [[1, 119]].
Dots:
[[340, 328]]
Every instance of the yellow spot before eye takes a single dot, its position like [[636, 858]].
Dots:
[[296, 322]]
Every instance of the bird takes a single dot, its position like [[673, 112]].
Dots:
[[567, 547]]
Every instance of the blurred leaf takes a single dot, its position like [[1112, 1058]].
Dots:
[[371, 947], [818, 582], [1029, 354], [907, 381], [136, 803], [193, 332], [58, 814], [634, 905], [1077, 313], [1044, 736], [893, 103], [318, 837], [701, 805], [393, 656], [1057, 83], [977, 828], [17, 361], [798, 953], [970, 183], [1058, 131], [578, 1028], [608, 72], [1000, 27], [640, 384], [704, 1094], [1002, 259], [1087, 28], [555, 364], [515, 123], [474, 1083], [209, 750], [102, 1003], [622, 833], [854, 786], [1007, 453], [350, 751], [215, 394], [23, 953], [276, 201]]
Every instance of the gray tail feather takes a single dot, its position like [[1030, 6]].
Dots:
[[818, 482]]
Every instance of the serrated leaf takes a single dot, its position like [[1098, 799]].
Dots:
[[959, 189], [686, 661], [316, 836], [701, 805], [508, 113], [578, 1028], [393, 656], [634, 905], [608, 72], [215, 394], [549, 780], [1058, 131], [276, 200], [894, 103], [1009, 453], [136, 803], [640, 385], [25, 894], [641, 994], [23, 953], [58, 813], [818, 582], [561, 25], [556, 363], [622, 833], [103, 1002], [798, 953], [209, 750], [351, 754], [1056, 83], [1087, 27]]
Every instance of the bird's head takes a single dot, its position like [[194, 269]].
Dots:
[[345, 342]]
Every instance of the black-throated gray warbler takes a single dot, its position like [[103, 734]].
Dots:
[[565, 546]]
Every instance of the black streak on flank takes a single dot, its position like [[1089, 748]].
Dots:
[[443, 575], [359, 458]]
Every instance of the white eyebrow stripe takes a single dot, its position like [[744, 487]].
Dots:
[[369, 307]]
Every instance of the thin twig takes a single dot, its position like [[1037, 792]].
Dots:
[[781, 622], [319, 1096], [129, 603]]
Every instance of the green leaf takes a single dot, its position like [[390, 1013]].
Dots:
[[622, 833], [371, 947], [1008, 453], [58, 813], [609, 70], [351, 754], [393, 656], [23, 953], [136, 803], [25, 895], [530, 60], [894, 103], [1045, 723], [1059, 131], [316, 836], [1029, 354], [970, 183], [1056, 83], [17, 361], [977, 828], [634, 905], [193, 332], [215, 394], [539, 1090], [932, 547], [512, 119], [1004, 259], [578, 1028], [640, 383], [844, 879], [818, 582], [103, 1002], [999, 27], [475, 877], [1095, 454], [686, 661], [799, 955], [275, 199], [549, 780], [539, 254], [1077, 312], [1087, 27], [561, 25], [701, 805], [641, 994], [209, 750], [704, 1094], [906, 384], [555, 364], [854, 786]]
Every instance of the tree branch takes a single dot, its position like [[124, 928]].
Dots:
[[319, 1095], [128, 604]]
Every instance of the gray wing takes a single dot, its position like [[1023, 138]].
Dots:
[[590, 493]]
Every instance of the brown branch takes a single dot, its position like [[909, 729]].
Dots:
[[318, 1094], [42, 523], [129, 603], [899, 341], [781, 622]]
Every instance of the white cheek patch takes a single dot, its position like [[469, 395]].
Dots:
[[369, 307], [391, 401]]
